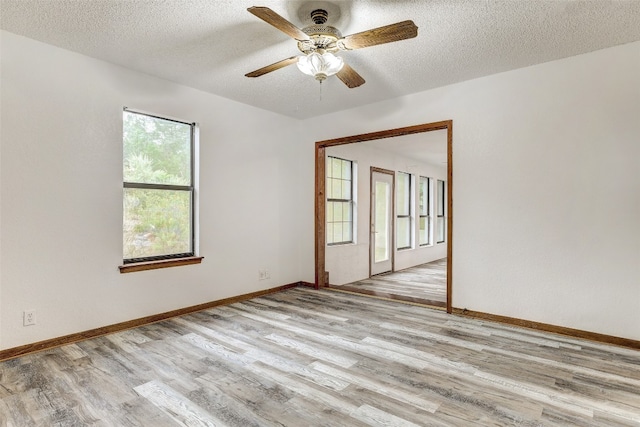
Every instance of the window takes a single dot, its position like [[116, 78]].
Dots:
[[158, 180], [440, 221], [425, 211], [403, 211], [340, 201]]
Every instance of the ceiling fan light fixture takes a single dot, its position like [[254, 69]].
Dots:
[[320, 65]]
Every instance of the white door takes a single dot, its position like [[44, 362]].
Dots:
[[381, 242]]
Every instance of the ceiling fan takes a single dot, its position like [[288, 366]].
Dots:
[[319, 43]]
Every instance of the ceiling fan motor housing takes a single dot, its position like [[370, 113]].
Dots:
[[319, 16], [323, 37]]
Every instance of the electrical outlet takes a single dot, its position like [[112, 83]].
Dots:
[[263, 274], [29, 317]]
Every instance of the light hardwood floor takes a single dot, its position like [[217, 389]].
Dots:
[[303, 357], [424, 284]]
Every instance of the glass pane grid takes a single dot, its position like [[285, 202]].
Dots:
[[158, 193], [339, 201], [339, 222]]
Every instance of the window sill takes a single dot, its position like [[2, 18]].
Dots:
[[165, 263], [333, 245]]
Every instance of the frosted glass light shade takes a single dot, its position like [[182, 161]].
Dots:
[[320, 65]]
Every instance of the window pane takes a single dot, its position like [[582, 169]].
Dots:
[[440, 229], [337, 211], [346, 232], [330, 233], [424, 196], [156, 151], [156, 222], [346, 190], [424, 230], [440, 206], [336, 167], [404, 233], [337, 232], [330, 211], [346, 169], [403, 193], [336, 191]]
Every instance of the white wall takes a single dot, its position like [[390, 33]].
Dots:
[[349, 263], [546, 187], [61, 195]]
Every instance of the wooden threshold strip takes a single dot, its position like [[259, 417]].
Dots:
[[23, 350], [561, 330], [165, 263]]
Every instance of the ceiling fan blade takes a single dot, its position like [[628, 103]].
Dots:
[[350, 77], [272, 67], [270, 17], [387, 34]]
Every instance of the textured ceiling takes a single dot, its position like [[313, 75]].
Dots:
[[211, 44]]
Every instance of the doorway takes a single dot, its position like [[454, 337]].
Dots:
[[322, 276], [381, 239]]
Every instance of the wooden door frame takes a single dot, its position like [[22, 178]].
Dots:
[[393, 212], [320, 202]]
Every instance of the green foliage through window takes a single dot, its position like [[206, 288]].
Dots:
[[158, 188]]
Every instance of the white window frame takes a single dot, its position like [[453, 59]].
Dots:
[[350, 202], [190, 188]]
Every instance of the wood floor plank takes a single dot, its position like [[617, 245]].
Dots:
[[177, 406], [378, 387], [376, 417], [313, 351]]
